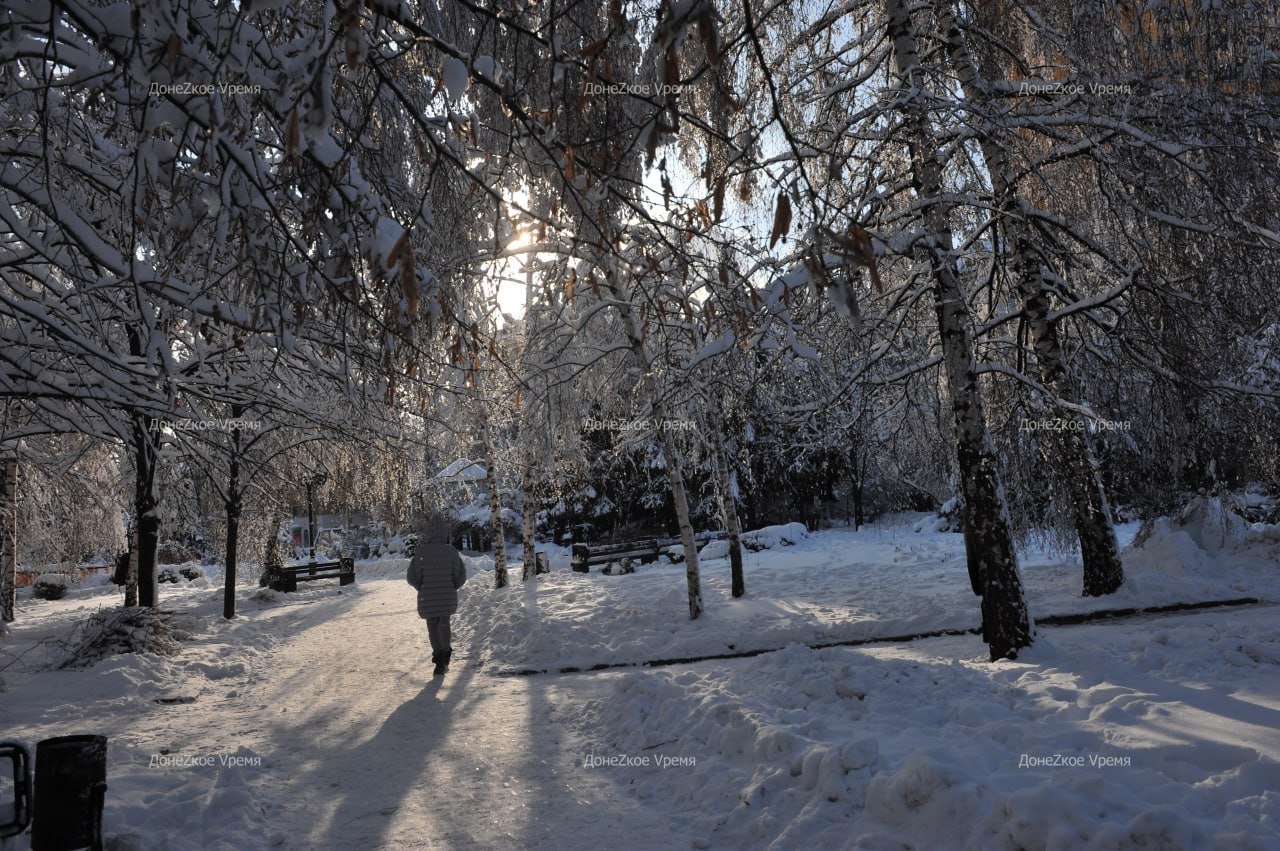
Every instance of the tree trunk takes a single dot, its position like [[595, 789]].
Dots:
[[675, 473], [856, 477], [131, 572], [233, 507], [1006, 622], [971, 559], [8, 540], [233, 538], [529, 511], [728, 510], [495, 509], [1103, 572], [146, 455], [675, 478]]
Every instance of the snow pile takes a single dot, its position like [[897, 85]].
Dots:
[[112, 632], [769, 537], [174, 573], [712, 550], [859, 748], [1207, 551], [784, 535], [383, 568], [1213, 525], [948, 518]]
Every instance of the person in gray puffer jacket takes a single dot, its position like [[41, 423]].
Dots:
[[436, 570]]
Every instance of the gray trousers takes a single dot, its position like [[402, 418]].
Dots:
[[438, 632]]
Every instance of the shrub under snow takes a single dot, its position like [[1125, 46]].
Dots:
[[129, 630], [50, 586]]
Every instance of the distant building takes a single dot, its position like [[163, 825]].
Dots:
[[299, 531], [462, 490], [463, 478]]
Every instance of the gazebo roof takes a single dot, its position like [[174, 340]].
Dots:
[[462, 470]]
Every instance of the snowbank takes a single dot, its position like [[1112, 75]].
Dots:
[[833, 585], [929, 746], [766, 538]]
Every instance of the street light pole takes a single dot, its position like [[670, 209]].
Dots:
[[313, 483]]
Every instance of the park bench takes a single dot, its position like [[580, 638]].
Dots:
[[644, 551], [281, 577]]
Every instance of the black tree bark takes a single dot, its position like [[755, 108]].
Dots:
[[8, 539], [1006, 622], [1103, 572]]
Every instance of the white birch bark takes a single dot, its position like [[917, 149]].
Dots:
[[529, 511], [1006, 621], [671, 454], [495, 508], [1103, 572], [728, 509]]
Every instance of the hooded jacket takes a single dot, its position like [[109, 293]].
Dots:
[[436, 570]]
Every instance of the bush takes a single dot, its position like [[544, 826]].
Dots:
[[50, 586], [172, 552], [189, 572]]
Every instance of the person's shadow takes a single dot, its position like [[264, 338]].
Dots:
[[387, 769]]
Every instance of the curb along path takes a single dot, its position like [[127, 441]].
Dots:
[[1049, 620]]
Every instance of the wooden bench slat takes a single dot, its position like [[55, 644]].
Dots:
[[647, 550], [281, 577]]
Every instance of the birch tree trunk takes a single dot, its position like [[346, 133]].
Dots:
[[1006, 622], [8, 540], [728, 509], [670, 452], [495, 508], [529, 512], [1103, 572]]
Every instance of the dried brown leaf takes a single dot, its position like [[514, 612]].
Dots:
[[781, 219]]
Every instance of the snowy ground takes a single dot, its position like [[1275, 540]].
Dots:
[[1146, 733], [1151, 735], [345, 741], [838, 585]]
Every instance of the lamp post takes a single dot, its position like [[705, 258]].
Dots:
[[314, 482]]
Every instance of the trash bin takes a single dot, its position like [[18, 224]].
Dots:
[[71, 785], [20, 816]]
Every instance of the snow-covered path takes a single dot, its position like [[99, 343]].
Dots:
[[311, 721], [363, 749]]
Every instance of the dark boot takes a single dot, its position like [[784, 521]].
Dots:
[[444, 660], [439, 661]]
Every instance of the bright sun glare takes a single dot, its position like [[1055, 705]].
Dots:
[[512, 286]]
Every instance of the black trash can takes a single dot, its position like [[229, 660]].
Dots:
[[71, 785], [20, 816]]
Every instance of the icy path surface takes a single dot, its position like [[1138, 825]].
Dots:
[[366, 750]]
